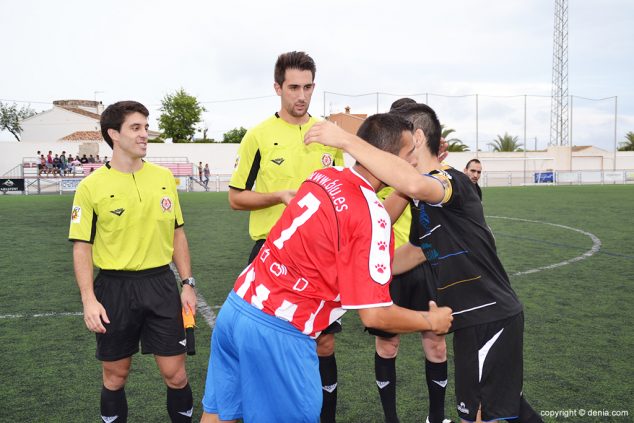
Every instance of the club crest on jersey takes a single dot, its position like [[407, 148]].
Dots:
[[75, 214], [278, 161], [166, 204], [237, 162], [326, 160]]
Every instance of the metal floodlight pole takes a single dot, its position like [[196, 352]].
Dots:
[[571, 99], [615, 122], [559, 96], [324, 104], [525, 145], [476, 110]]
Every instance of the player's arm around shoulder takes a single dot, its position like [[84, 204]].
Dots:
[[389, 168]]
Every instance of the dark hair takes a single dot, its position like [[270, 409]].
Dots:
[[384, 131], [293, 60], [422, 117], [115, 114], [472, 161], [401, 102]]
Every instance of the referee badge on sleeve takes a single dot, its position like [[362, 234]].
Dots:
[[166, 204], [326, 160], [75, 214]]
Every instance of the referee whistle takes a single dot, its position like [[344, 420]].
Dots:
[[189, 323]]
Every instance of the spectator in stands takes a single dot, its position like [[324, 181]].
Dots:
[[83, 159], [206, 174], [473, 170], [76, 165], [91, 159], [49, 162], [69, 164], [42, 166], [105, 159], [200, 171], [57, 165], [63, 161], [97, 159]]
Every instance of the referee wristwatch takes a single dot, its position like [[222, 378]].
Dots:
[[189, 281]]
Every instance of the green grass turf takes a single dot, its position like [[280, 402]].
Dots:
[[578, 338]]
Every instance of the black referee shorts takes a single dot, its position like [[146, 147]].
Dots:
[[142, 306], [489, 370], [413, 290]]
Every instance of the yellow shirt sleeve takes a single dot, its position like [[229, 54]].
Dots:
[[82, 216], [244, 161]]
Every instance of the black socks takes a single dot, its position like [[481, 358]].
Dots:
[[328, 372], [180, 404], [114, 406], [436, 375], [385, 371]]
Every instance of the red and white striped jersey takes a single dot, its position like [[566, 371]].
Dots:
[[330, 251]]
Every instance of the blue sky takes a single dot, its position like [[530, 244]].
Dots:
[[220, 51]]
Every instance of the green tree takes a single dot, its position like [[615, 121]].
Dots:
[[180, 114], [10, 117], [628, 144], [506, 143], [234, 136], [455, 144]]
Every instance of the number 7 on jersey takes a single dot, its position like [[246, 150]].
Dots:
[[311, 203]]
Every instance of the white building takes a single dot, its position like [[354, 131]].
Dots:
[[65, 119]]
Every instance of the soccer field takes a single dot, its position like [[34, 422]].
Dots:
[[567, 250]]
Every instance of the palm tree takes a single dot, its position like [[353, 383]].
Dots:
[[506, 143], [628, 144], [455, 145]]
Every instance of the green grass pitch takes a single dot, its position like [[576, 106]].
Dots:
[[579, 314]]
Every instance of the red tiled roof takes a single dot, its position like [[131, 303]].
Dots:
[[83, 136], [81, 112]]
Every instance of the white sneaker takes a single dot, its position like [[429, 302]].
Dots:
[[444, 421]]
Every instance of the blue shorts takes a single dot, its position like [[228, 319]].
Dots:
[[261, 368]]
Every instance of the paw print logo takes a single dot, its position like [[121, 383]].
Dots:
[[382, 245], [378, 203], [382, 223], [380, 268]]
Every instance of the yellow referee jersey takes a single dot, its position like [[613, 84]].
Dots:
[[402, 225], [273, 157], [128, 217]]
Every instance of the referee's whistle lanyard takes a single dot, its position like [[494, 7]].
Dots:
[[137, 187]]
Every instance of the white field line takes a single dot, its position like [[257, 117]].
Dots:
[[201, 305], [596, 245], [50, 314], [203, 309], [208, 317]]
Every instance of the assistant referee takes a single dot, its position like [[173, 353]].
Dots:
[[127, 221]]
